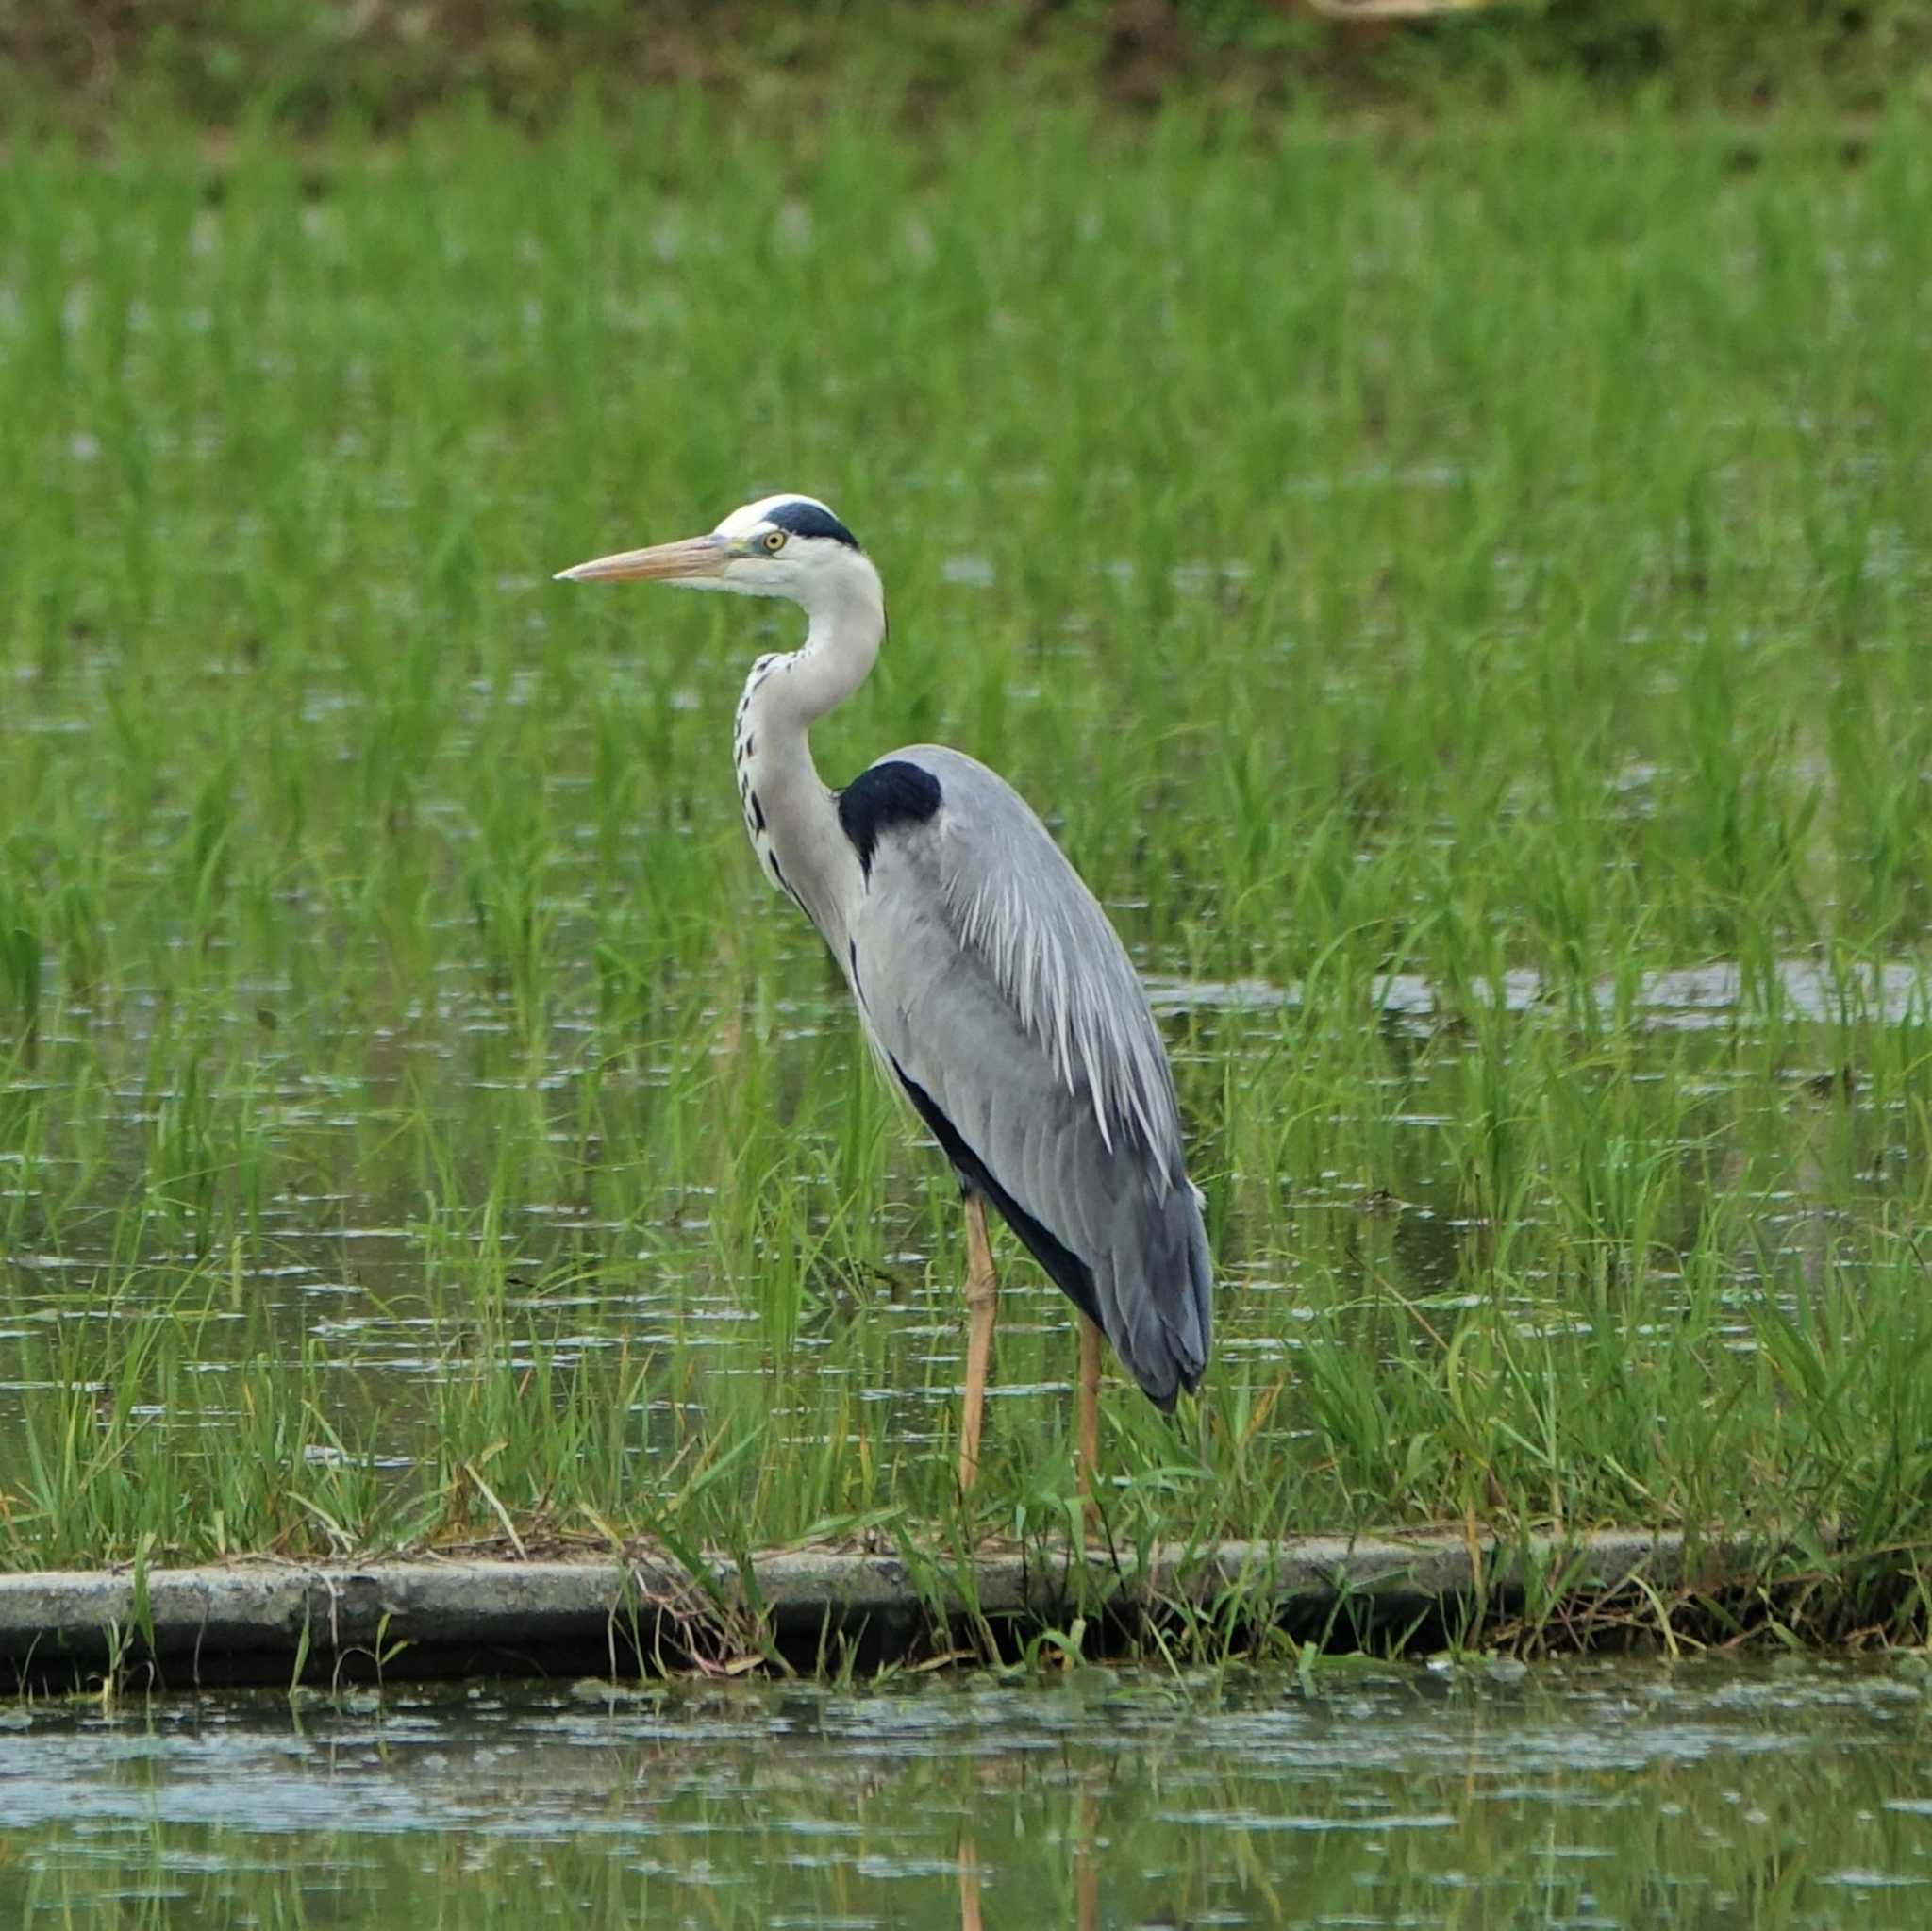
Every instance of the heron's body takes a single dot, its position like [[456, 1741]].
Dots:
[[988, 979]]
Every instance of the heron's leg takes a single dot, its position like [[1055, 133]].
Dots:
[[968, 1885], [1085, 1866], [1088, 1412], [982, 1293]]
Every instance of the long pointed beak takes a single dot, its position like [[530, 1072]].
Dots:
[[697, 557]]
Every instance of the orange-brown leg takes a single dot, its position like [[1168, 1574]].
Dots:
[[1086, 1407], [1085, 1866], [982, 1293], [968, 1885]]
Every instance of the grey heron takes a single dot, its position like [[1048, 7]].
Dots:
[[987, 980]]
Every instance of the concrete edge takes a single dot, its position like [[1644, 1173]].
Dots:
[[282, 1615]]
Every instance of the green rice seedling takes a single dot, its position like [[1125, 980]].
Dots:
[[1457, 597]]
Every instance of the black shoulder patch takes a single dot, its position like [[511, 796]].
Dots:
[[810, 520], [889, 793]]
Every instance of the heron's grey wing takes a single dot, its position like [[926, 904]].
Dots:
[[993, 982]]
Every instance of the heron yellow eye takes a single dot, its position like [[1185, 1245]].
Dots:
[[775, 541]]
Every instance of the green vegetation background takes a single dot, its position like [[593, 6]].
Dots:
[[1501, 552], [304, 62]]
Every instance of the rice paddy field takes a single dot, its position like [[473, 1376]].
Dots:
[[1461, 600]]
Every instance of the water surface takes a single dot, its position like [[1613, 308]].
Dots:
[[1362, 1795], [354, 1277]]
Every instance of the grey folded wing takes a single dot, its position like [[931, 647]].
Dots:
[[994, 985]]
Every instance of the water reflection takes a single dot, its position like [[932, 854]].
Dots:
[[1631, 1795], [1891, 992]]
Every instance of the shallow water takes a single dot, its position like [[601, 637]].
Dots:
[[1361, 1796], [342, 1256], [1687, 997], [347, 1270]]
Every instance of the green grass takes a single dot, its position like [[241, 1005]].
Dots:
[[1504, 555]]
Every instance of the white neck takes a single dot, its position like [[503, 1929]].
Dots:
[[789, 815]]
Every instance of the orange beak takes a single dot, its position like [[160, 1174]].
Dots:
[[695, 558]]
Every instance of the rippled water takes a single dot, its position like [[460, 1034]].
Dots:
[[1688, 997], [344, 1269], [1594, 1795]]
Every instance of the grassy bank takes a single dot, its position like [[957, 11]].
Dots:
[[1465, 614], [308, 65]]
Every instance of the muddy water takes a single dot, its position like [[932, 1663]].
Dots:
[[1594, 1795]]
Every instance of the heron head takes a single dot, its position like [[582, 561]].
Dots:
[[779, 546]]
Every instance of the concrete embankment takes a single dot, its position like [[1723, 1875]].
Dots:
[[425, 1616]]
